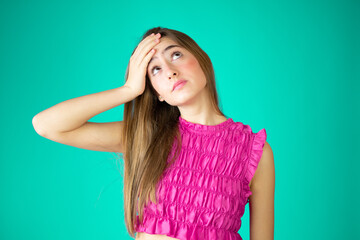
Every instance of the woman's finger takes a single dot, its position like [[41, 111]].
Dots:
[[144, 64], [144, 47]]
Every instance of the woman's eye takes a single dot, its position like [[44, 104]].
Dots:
[[177, 53], [152, 70], [156, 67]]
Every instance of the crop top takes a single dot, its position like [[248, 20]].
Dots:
[[203, 194]]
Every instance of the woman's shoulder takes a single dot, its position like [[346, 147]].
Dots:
[[242, 127]]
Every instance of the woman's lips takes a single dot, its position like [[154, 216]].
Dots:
[[179, 84]]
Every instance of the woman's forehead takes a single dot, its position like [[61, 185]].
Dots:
[[164, 42], [162, 47]]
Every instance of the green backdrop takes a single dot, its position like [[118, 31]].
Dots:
[[291, 67]]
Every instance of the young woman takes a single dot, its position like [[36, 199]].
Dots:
[[189, 170]]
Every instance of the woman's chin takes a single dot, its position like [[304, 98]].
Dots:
[[182, 101]]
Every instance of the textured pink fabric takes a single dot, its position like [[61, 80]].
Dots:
[[204, 193]]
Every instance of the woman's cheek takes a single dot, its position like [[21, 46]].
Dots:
[[158, 87], [154, 84], [190, 64]]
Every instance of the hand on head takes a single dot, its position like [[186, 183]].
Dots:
[[139, 62]]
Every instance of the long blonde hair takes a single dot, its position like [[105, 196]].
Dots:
[[150, 130]]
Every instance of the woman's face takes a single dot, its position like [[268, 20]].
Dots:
[[170, 59]]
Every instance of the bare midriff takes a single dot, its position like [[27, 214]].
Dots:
[[147, 236]]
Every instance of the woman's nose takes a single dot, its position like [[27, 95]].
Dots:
[[171, 72], [170, 75]]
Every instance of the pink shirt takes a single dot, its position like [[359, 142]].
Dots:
[[204, 193]]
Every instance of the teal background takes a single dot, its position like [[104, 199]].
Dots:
[[291, 67]]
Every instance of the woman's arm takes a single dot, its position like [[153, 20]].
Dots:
[[261, 200], [67, 122]]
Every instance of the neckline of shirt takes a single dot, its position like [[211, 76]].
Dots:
[[197, 127]]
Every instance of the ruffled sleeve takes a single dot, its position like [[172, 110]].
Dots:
[[254, 158]]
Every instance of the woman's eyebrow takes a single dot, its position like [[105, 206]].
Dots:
[[166, 49]]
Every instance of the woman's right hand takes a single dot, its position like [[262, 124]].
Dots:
[[139, 62]]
